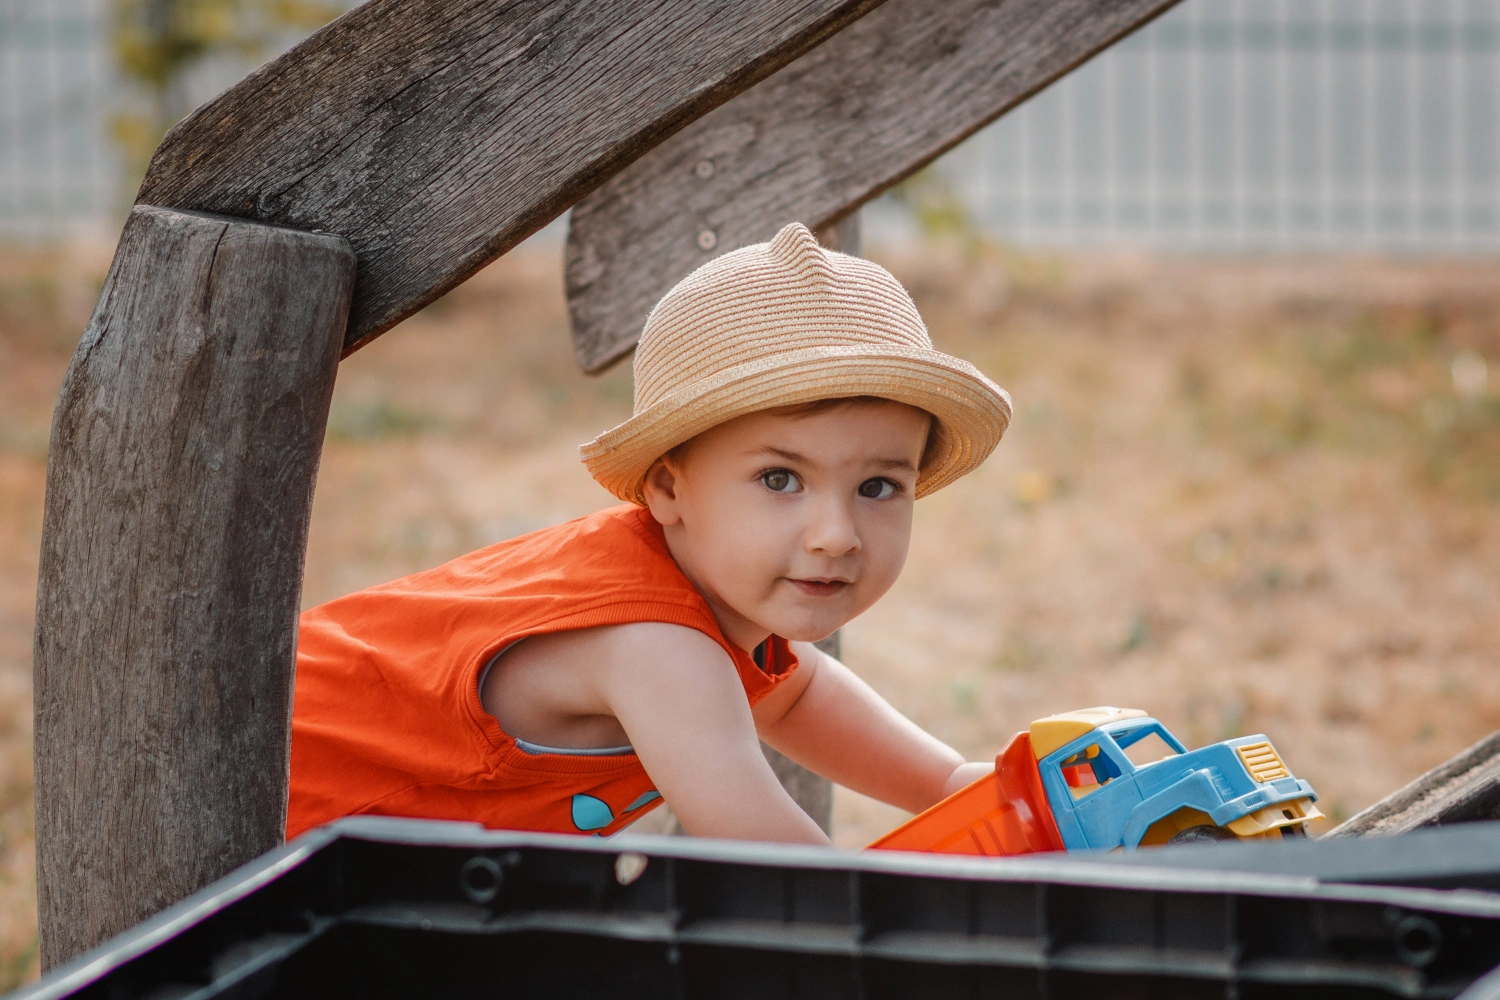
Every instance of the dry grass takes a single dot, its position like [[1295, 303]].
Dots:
[[1247, 497]]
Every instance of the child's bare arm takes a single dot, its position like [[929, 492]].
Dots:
[[835, 724], [682, 704]]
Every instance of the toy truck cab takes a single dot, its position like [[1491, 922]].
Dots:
[[1115, 777]]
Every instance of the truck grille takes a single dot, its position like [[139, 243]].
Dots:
[[1262, 761]]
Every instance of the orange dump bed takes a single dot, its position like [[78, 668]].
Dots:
[[1000, 814]]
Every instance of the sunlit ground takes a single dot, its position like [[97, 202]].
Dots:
[[1248, 497]]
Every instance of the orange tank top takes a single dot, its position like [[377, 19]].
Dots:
[[387, 719]]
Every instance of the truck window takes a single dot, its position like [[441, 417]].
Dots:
[[1087, 771], [1146, 749]]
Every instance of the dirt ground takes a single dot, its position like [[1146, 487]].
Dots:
[[1249, 497]]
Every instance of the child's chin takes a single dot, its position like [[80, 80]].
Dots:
[[804, 619], [804, 630]]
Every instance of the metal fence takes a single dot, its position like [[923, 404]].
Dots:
[[58, 168], [1236, 124], [62, 172], [1233, 124]]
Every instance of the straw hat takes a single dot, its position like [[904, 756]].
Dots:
[[787, 322]]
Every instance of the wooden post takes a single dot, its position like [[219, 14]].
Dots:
[[179, 484], [813, 792]]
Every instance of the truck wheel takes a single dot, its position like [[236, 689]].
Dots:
[[1202, 834]]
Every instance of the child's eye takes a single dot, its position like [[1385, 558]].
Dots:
[[877, 489], [781, 481]]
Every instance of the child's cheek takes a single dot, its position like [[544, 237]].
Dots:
[[887, 555], [747, 551]]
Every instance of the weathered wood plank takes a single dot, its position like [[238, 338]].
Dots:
[[179, 484], [1465, 789], [436, 134], [874, 104]]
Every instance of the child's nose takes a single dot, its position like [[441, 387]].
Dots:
[[833, 531]]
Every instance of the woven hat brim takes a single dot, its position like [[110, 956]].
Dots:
[[970, 412]]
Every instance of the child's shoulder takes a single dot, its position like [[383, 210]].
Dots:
[[616, 551], [610, 567], [609, 647], [608, 547]]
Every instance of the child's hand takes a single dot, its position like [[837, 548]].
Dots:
[[966, 774]]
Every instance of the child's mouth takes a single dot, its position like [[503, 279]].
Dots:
[[821, 588]]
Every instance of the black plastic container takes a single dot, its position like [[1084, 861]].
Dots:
[[404, 908]]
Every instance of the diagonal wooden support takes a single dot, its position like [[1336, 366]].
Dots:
[[1465, 789], [876, 103], [435, 135], [179, 485]]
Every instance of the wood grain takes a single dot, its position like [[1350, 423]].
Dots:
[[436, 134], [874, 104], [179, 484]]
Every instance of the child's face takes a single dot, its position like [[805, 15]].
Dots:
[[792, 523]]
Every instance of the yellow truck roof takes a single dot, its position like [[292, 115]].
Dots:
[[1055, 730]]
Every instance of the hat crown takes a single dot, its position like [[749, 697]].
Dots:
[[754, 303]]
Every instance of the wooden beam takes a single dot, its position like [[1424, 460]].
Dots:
[[437, 134], [1465, 789], [876, 103], [179, 484]]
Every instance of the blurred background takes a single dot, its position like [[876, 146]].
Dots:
[[1239, 273]]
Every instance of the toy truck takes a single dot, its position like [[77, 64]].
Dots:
[[1113, 778]]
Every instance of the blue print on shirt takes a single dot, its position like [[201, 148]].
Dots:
[[590, 813], [646, 797]]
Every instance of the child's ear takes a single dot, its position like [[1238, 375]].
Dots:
[[660, 488]]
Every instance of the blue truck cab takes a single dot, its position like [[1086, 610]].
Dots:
[[1116, 778]]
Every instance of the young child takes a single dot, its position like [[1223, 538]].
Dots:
[[789, 408]]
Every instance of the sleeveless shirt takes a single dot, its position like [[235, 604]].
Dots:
[[386, 713]]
